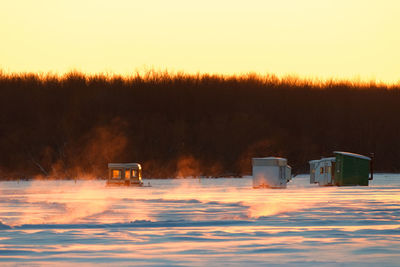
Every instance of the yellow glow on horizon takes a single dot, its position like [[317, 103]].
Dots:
[[343, 39]]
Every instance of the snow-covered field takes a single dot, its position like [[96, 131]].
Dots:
[[200, 222]]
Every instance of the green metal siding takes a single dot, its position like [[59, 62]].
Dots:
[[351, 170]]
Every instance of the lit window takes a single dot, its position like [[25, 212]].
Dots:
[[321, 170], [127, 172], [116, 174], [133, 173]]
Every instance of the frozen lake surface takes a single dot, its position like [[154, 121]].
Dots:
[[197, 222]]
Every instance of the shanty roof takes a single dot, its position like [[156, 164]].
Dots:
[[322, 159], [352, 155], [269, 161], [276, 158], [124, 165]]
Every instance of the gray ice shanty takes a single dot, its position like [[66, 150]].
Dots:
[[271, 172]]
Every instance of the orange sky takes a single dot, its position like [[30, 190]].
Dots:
[[311, 38]]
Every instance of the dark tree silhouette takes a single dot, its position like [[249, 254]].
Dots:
[[63, 127]]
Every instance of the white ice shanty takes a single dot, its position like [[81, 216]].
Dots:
[[322, 171], [271, 172], [129, 174]]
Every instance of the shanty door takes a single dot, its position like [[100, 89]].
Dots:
[[282, 173], [282, 178], [328, 173]]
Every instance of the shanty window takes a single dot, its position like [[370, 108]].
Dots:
[[321, 170], [116, 174], [127, 174], [133, 173]]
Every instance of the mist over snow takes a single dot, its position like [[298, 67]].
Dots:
[[197, 222]]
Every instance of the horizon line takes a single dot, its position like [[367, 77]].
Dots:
[[152, 73]]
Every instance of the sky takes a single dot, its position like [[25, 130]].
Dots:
[[340, 39]]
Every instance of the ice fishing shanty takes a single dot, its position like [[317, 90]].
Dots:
[[271, 172], [129, 174], [344, 169]]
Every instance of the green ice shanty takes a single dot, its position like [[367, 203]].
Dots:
[[343, 169]]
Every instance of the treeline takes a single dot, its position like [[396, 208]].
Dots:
[[188, 125]]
